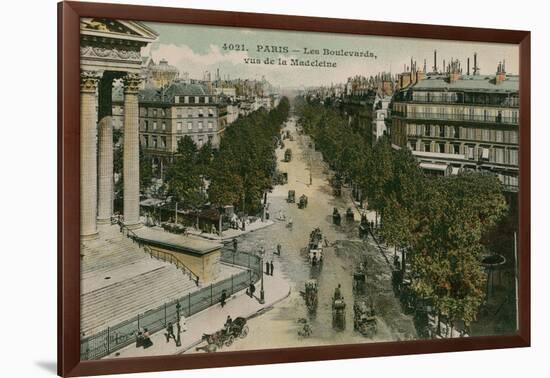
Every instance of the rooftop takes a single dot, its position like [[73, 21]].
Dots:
[[473, 83]]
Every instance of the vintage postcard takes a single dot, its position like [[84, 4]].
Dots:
[[246, 189]]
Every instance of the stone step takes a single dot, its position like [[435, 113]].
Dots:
[[126, 299]]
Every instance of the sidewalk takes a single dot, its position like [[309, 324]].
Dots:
[[212, 319], [232, 233]]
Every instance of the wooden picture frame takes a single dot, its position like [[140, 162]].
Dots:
[[69, 14]]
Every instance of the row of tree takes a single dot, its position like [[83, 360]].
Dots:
[[238, 173], [439, 221]]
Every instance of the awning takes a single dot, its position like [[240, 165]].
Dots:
[[434, 167]]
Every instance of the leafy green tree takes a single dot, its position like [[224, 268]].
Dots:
[[183, 176]]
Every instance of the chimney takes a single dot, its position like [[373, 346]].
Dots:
[[468, 72], [435, 61], [501, 73], [454, 71], [476, 68]]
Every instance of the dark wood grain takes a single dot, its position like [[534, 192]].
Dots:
[[69, 363]]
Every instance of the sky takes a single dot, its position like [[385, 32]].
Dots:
[[196, 49]]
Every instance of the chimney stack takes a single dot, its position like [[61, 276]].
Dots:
[[476, 68], [468, 72], [435, 61], [501, 73]]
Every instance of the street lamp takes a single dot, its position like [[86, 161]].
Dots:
[[178, 338], [262, 294]]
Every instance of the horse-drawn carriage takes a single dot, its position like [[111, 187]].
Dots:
[[226, 336], [338, 314], [310, 295], [315, 247], [302, 203], [288, 155], [364, 320], [291, 198]]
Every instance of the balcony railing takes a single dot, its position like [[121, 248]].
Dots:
[[459, 117]]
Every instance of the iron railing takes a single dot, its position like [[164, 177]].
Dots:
[[123, 334]]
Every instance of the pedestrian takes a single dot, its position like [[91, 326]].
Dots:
[[146, 339], [251, 289], [170, 332], [279, 249], [235, 243], [223, 298], [139, 339], [271, 267], [227, 325], [267, 268]]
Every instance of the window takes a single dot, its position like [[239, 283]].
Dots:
[[154, 141], [485, 115], [210, 112], [178, 126], [162, 141], [499, 155], [154, 125], [515, 116], [513, 154], [456, 148], [154, 112], [177, 99], [201, 113], [189, 125], [441, 148], [210, 125], [179, 112], [210, 137], [470, 152], [163, 126], [196, 99], [146, 125], [442, 131], [498, 136], [200, 125], [485, 134], [427, 130], [206, 100], [186, 99], [457, 132], [427, 147]]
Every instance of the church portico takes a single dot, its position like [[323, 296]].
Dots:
[[109, 50]]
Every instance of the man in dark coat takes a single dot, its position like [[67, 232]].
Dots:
[[223, 298], [271, 267], [267, 267]]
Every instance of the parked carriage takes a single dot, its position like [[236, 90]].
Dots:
[[364, 320], [237, 329], [302, 204]]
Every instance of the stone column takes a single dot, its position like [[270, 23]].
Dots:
[[131, 150], [88, 154], [105, 156]]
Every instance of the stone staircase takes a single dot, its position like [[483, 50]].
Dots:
[[120, 280]]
